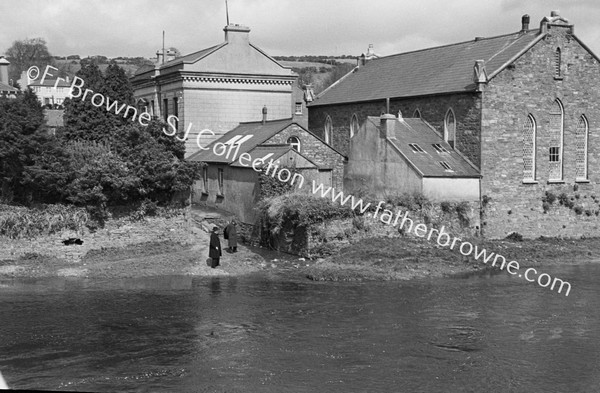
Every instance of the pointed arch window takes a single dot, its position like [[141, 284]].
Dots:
[[417, 114], [555, 156], [450, 127], [328, 129], [529, 136], [557, 63], [294, 141], [581, 146], [354, 126]]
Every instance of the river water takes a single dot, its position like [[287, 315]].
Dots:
[[481, 333]]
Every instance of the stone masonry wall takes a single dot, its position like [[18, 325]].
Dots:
[[529, 86], [433, 109], [115, 234], [316, 150]]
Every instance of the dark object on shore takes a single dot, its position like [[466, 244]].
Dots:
[[515, 237], [72, 240]]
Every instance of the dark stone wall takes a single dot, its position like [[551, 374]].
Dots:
[[315, 150], [433, 109]]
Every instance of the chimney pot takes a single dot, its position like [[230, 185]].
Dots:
[[554, 13], [525, 22], [388, 125]]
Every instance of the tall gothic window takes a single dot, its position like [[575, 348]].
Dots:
[[450, 127], [354, 126], [557, 63], [581, 145], [529, 135], [555, 156], [328, 129]]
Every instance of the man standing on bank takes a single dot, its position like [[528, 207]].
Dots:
[[231, 235], [214, 251]]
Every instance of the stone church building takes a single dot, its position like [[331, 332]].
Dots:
[[522, 108]]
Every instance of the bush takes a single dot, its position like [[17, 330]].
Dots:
[[19, 222], [299, 211], [515, 236]]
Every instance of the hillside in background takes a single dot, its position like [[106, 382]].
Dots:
[[318, 71]]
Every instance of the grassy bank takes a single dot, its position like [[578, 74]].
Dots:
[[409, 257]]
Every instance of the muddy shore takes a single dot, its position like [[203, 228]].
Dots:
[[369, 259]]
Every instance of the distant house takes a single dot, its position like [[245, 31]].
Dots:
[[233, 185], [523, 108], [217, 88], [6, 90], [50, 92], [391, 156]]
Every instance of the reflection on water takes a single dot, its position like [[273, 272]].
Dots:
[[492, 333]]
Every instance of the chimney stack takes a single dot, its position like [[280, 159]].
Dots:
[[236, 34], [4, 70], [524, 23], [388, 125], [264, 113]]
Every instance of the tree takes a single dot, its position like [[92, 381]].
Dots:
[[21, 134], [26, 53]]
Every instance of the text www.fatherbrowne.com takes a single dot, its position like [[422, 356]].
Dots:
[[402, 221]]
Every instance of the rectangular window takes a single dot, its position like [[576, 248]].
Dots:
[[439, 148], [152, 107], [220, 178], [166, 109], [555, 154], [205, 179], [416, 148], [176, 111], [298, 108]]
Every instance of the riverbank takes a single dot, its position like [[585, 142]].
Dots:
[[409, 257]]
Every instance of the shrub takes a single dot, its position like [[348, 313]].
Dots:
[[446, 207], [19, 222], [549, 197], [462, 210], [578, 210], [515, 236]]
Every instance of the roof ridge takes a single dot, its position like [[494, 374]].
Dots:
[[454, 44]]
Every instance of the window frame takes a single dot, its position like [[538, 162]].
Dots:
[[451, 142], [328, 128], [354, 125], [220, 181], [295, 145], [530, 122], [586, 130], [416, 148], [558, 145]]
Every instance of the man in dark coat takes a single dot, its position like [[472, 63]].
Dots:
[[214, 250], [231, 232]]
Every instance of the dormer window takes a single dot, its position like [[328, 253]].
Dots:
[[416, 148]]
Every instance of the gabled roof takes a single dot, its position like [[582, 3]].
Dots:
[[6, 88], [50, 82], [251, 134], [277, 153], [443, 69], [428, 161]]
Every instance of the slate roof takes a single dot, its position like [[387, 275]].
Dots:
[[443, 69], [258, 132], [50, 82], [6, 88], [427, 163], [274, 152]]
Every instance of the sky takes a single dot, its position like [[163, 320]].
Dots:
[[134, 28]]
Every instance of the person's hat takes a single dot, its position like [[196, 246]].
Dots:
[[215, 228]]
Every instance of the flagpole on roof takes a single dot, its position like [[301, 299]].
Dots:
[[227, 12]]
